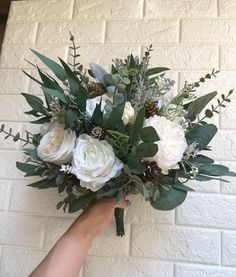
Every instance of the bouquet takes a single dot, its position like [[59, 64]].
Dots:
[[113, 134]]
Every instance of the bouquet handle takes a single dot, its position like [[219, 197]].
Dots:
[[119, 216]]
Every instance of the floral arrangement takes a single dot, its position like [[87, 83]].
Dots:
[[115, 134]]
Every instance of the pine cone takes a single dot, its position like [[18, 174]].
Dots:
[[151, 171], [98, 133], [97, 89], [151, 109]]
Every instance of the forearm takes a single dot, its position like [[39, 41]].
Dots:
[[67, 256]]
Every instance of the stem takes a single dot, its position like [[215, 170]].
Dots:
[[119, 216], [10, 135]]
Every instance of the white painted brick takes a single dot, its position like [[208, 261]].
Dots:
[[114, 9], [31, 200], [56, 227], [8, 164], [141, 211], [5, 191], [9, 143], [205, 31], [115, 246], [203, 271], [23, 263], [209, 186], [12, 81], [150, 31], [224, 81], [20, 33], [227, 8], [207, 210], [13, 56], [40, 10], [181, 8], [177, 244], [21, 230], [227, 57], [229, 188], [103, 55], [12, 108], [229, 248], [227, 142], [83, 31], [227, 116], [185, 57], [116, 267]]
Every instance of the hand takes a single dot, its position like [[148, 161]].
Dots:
[[97, 216]]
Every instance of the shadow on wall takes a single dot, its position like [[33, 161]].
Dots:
[[4, 9]]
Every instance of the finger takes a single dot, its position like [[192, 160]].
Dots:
[[123, 204]]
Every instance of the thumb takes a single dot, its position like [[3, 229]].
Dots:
[[123, 204]]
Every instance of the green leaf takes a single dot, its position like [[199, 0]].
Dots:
[[97, 116], [201, 159], [115, 117], [32, 78], [208, 113], [202, 135], [155, 70], [81, 202], [44, 184], [30, 169], [204, 178], [35, 102], [98, 72], [138, 124], [215, 170], [55, 67], [200, 103], [143, 150], [16, 137], [81, 98], [169, 198], [149, 134], [71, 117], [55, 93], [182, 187], [141, 186], [42, 120], [134, 166]]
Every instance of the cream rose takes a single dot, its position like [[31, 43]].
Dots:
[[172, 143], [57, 144], [128, 114], [94, 162]]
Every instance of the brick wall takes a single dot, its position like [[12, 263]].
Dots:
[[189, 36]]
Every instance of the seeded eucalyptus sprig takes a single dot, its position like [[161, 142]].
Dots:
[[215, 109], [16, 137]]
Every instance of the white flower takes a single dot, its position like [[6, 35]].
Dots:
[[94, 162], [57, 144], [128, 114], [172, 143], [93, 102]]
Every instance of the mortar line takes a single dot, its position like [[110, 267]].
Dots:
[[143, 7], [72, 13]]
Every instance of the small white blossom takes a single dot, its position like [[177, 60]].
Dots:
[[128, 114]]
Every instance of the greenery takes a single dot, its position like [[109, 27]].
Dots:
[[66, 94]]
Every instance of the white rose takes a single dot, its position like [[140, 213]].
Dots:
[[172, 143], [128, 114], [57, 144], [94, 162]]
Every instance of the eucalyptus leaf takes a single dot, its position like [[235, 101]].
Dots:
[[202, 135], [137, 126], [155, 70], [81, 202], [55, 67], [149, 134], [200, 103], [215, 170], [71, 117], [98, 72], [169, 198], [143, 150], [55, 93]]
